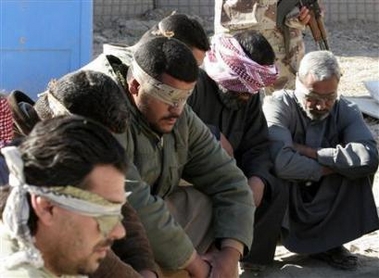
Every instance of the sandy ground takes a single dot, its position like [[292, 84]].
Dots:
[[356, 46]]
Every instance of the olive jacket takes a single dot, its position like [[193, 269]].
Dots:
[[189, 152]]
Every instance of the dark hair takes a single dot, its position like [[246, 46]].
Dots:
[[256, 47], [90, 94], [182, 27], [63, 151], [167, 55]]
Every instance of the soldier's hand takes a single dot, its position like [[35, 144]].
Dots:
[[304, 15]]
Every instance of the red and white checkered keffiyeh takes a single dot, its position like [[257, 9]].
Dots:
[[228, 65], [6, 122]]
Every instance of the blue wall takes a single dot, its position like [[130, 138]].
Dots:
[[41, 40]]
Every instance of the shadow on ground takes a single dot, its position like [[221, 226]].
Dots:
[[303, 266]]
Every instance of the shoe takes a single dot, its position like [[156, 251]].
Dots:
[[338, 257]]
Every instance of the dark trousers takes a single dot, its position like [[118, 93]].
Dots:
[[267, 225]]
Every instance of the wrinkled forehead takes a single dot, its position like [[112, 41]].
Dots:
[[317, 87]]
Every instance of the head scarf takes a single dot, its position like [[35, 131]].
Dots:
[[17, 210], [228, 65], [6, 122]]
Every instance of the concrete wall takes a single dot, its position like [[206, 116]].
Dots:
[[108, 9], [344, 10], [336, 10]]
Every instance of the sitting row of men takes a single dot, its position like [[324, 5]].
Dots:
[[214, 177]]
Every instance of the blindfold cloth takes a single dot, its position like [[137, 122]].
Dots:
[[55, 106], [228, 65], [157, 89], [16, 212]]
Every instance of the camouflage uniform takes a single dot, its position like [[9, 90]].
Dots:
[[236, 15]]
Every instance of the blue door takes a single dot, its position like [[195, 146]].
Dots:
[[42, 40]]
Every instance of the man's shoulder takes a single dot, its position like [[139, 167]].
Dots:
[[28, 271], [347, 110], [7, 248], [106, 64], [280, 97], [347, 104], [25, 271]]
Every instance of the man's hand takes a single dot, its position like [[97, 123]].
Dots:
[[148, 274], [257, 186], [305, 150], [226, 145], [198, 267], [312, 153], [224, 262], [304, 15]]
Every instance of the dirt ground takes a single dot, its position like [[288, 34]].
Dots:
[[357, 47]]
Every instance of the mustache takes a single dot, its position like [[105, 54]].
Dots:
[[175, 116], [319, 111], [104, 244]]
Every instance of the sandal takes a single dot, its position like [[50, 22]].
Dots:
[[338, 257]]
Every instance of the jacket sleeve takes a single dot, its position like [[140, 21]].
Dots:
[[166, 236], [135, 249], [288, 163], [212, 171], [112, 267], [253, 154], [356, 156]]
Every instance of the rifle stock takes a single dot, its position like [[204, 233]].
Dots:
[[316, 24]]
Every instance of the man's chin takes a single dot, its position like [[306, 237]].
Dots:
[[163, 129], [91, 267], [317, 116]]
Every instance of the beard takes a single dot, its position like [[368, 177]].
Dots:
[[316, 116], [313, 116]]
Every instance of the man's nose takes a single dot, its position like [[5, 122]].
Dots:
[[118, 231], [321, 104], [176, 109]]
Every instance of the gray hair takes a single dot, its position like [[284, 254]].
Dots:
[[321, 64]]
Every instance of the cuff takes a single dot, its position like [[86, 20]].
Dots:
[[325, 156], [228, 242]]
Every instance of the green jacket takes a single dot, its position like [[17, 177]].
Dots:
[[189, 152]]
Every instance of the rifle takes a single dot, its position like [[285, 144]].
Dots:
[[316, 24]]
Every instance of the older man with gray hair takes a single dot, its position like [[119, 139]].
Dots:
[[324, 151]]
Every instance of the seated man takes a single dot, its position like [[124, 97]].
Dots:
[[285, 36], [325, 153], [83, 93], [167, 142], [227, 96], [62, 210]]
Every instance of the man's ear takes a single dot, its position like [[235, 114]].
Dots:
[[43, 208], [134, 87]]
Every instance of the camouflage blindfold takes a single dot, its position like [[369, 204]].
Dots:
[[157, 89]]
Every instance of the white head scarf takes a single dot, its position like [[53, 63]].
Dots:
[[16, 212]]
